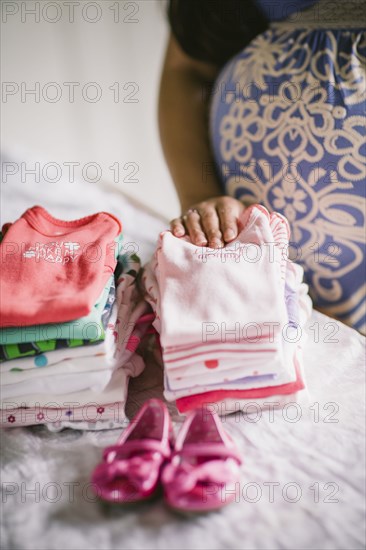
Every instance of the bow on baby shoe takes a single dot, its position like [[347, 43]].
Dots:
[[184, 477], [141, 471]]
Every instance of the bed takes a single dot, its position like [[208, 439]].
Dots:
[[303, 478]]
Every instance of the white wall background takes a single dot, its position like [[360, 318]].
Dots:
[[57, 42]]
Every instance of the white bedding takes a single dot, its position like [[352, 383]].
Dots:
[[318, 461]]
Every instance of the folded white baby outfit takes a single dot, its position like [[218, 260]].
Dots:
[[222, 315]]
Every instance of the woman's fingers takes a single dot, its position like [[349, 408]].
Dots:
[[210, 223], [228, 213], [193, 226], [211, 226]]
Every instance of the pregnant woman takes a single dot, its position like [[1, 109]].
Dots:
[[264, 102]]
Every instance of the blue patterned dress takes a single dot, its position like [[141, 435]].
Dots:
[[288, 130]]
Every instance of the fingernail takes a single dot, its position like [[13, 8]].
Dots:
[[178, 232], [216, 243], [229, 234]]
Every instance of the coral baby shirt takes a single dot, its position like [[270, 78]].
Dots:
[[52, 270]]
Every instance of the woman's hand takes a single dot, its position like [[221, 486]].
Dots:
[[212, 222]]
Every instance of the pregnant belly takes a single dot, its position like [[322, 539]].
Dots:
[[287, 125]]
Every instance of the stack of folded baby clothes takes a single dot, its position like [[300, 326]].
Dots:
[[230, 320], [71, 318]]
